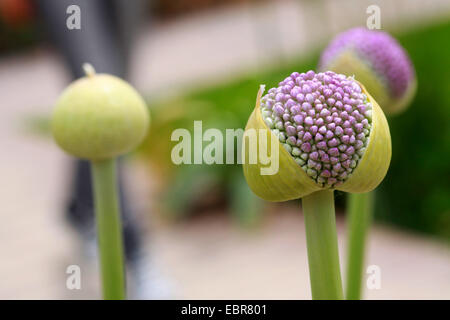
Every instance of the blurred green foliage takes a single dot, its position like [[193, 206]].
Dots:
[[226, 106], [416, 191]]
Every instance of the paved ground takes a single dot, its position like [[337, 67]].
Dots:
[[208, 258], [213, 259]]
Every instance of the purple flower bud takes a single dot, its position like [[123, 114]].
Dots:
[[350, 151], [333, 152], [306, 147], [331, 126], [291, 131], [359, 144], [324, 113], [325, 158], [337, 167], [325, 173], [348, 131], [279, 97], [307, 136], [359, 127], [318, 137], [333, 142], [314, 155], [322, 145], [309, 121], [345, 139], [298, 119], [386, 61], [329, 134], [352, 139], [279, 109], [291, 140], [342, 147]]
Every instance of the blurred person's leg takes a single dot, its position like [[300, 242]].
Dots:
[[107, 30]]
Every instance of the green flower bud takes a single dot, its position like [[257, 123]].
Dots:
[[99, 116], [335, 136]]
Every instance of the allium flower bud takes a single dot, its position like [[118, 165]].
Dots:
[[99, 117], [378, 61], [331, 134]]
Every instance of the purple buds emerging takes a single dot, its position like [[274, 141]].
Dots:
[[323, 120], [382, 55]]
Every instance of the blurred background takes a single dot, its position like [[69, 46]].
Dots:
[[205, 235]]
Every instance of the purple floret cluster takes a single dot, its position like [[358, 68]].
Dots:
[[323, 120], [381, 51]]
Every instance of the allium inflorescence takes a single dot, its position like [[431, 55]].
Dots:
[[323, 120], [380, 51]]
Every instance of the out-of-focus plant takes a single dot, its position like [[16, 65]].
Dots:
[[422, 204], [376, 59], [189, 186], [100, 117]]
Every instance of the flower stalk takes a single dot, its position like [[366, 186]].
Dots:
[[360, 212], [321, 239], [109, 228]]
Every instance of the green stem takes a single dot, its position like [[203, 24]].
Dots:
[[360, 211], [321, 240], [109, 229]]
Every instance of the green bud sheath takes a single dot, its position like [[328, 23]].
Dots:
[[375, 161], [292, 182]]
